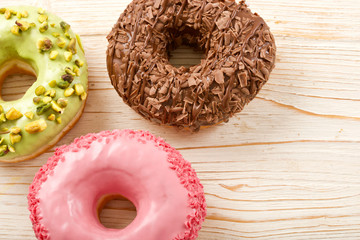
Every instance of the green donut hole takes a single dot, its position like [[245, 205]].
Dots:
[[16, 77]]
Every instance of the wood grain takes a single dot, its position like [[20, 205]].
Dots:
[[287, 167]]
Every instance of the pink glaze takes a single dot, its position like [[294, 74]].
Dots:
[[164, 188]]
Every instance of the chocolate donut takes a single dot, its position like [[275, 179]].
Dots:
[[239, 56]]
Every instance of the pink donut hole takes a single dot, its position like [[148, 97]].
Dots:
[[116, 211]]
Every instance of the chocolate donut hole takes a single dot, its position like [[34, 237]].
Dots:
[[183, 51], [185, 56]]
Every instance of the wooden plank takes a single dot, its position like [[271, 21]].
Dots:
[[287, 167]]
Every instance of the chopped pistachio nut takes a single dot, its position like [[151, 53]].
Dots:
[[58, 120], [83, 96], [76, 70], [62, 102], [15, 30], [23, 25], [40, 90], [36, 126], [61, 42], [52, 25], [53, 55], [1, 140], [36, 100], [72, 46], [11, 149], [3, 150], [68, 70], [68, 92], [56, 34], [2, 118], [56, 107], [41, 11], [79, 42], [44, 44], [42, 18], [51, 117], [15, 130], [79, 63], [24, 14], [52, 84], [4, 130], [29, 115], [2, 10], [50, 93], [18, 15], [15, 138], [63, 84], [64, 26], [68, 56], [13, 114], [79, 89], [46, 100], [43, 108], [1, 109], [67, 77], [43, 27], [7, 14]]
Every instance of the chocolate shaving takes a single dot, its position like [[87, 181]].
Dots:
[[219, 77], [239, 57]]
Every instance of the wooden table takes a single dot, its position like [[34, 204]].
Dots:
[[287, 167]]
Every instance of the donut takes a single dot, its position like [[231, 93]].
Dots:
[[67, 191], [239, 56], [36, 42]]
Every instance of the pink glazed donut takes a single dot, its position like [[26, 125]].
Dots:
[[165, 190]]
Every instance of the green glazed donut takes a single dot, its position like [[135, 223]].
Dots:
[[34, 41]]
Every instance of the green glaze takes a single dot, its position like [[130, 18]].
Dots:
[[23, 47]]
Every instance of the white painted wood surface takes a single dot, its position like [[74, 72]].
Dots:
[[287, 167]]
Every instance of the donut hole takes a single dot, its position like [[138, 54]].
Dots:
[[16, 77], [185, 56], [116, 211], [184, 51]]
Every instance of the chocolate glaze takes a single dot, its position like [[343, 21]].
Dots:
[[240, 54]]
